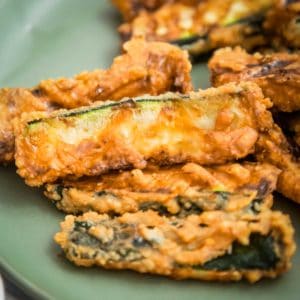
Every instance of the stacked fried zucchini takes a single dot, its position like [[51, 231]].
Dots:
[[158, 178], [203, 26], [160, 174]]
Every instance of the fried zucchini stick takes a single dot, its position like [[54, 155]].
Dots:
[[204, 27], [170, 191], [152, 68], [211, 246], [277, 74], [206, 127]]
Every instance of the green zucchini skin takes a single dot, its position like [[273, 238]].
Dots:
[[259, 254], [200, 45], [136, 132], [142, 242], [65, 198]]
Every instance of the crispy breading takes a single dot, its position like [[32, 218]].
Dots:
[[277, 74], [12, 102], [272, 147], [175, 190], [152, 68], [211, 246], [130, 8], [206, 127], [203, 27], [294, 127], [283, 26]]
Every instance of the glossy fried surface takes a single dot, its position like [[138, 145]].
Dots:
[[177, 190], [208, 25], [144, 68], [283, 26], [205, 127], [210, 246], [277, 74]]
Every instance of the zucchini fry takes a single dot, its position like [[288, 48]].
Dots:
[[277, 74], [204, 27], [211, 246], [170, 191], [205, 127], [152, 68]]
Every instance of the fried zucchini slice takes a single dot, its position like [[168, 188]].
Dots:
[[176, 191], [152, 68], [204, 27], [277, 74], [211, 246], [205, 127]]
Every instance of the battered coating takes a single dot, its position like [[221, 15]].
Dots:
[[130, 8], [277, 74], [206, 127], [177, 190], [12, 102], [144, 68], [203, 27], [283, 26], [211, 246], [273, 147]]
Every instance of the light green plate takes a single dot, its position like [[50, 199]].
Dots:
[[50, 38]]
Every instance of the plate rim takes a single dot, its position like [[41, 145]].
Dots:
[[24, 284]]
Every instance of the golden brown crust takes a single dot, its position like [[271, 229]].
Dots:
[[174, 247], [144, 68], [177, 21], [152, 68], [277, 74], [223, 124], [272, 147], [130, 8], [128, 191], [12, 103]]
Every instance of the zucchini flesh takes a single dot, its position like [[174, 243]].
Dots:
[[163, 130]]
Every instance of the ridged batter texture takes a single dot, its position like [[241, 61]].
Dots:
[[206, 127], [203, 27], [277, 74], [152, 68], [179, 191], [211, 246]]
